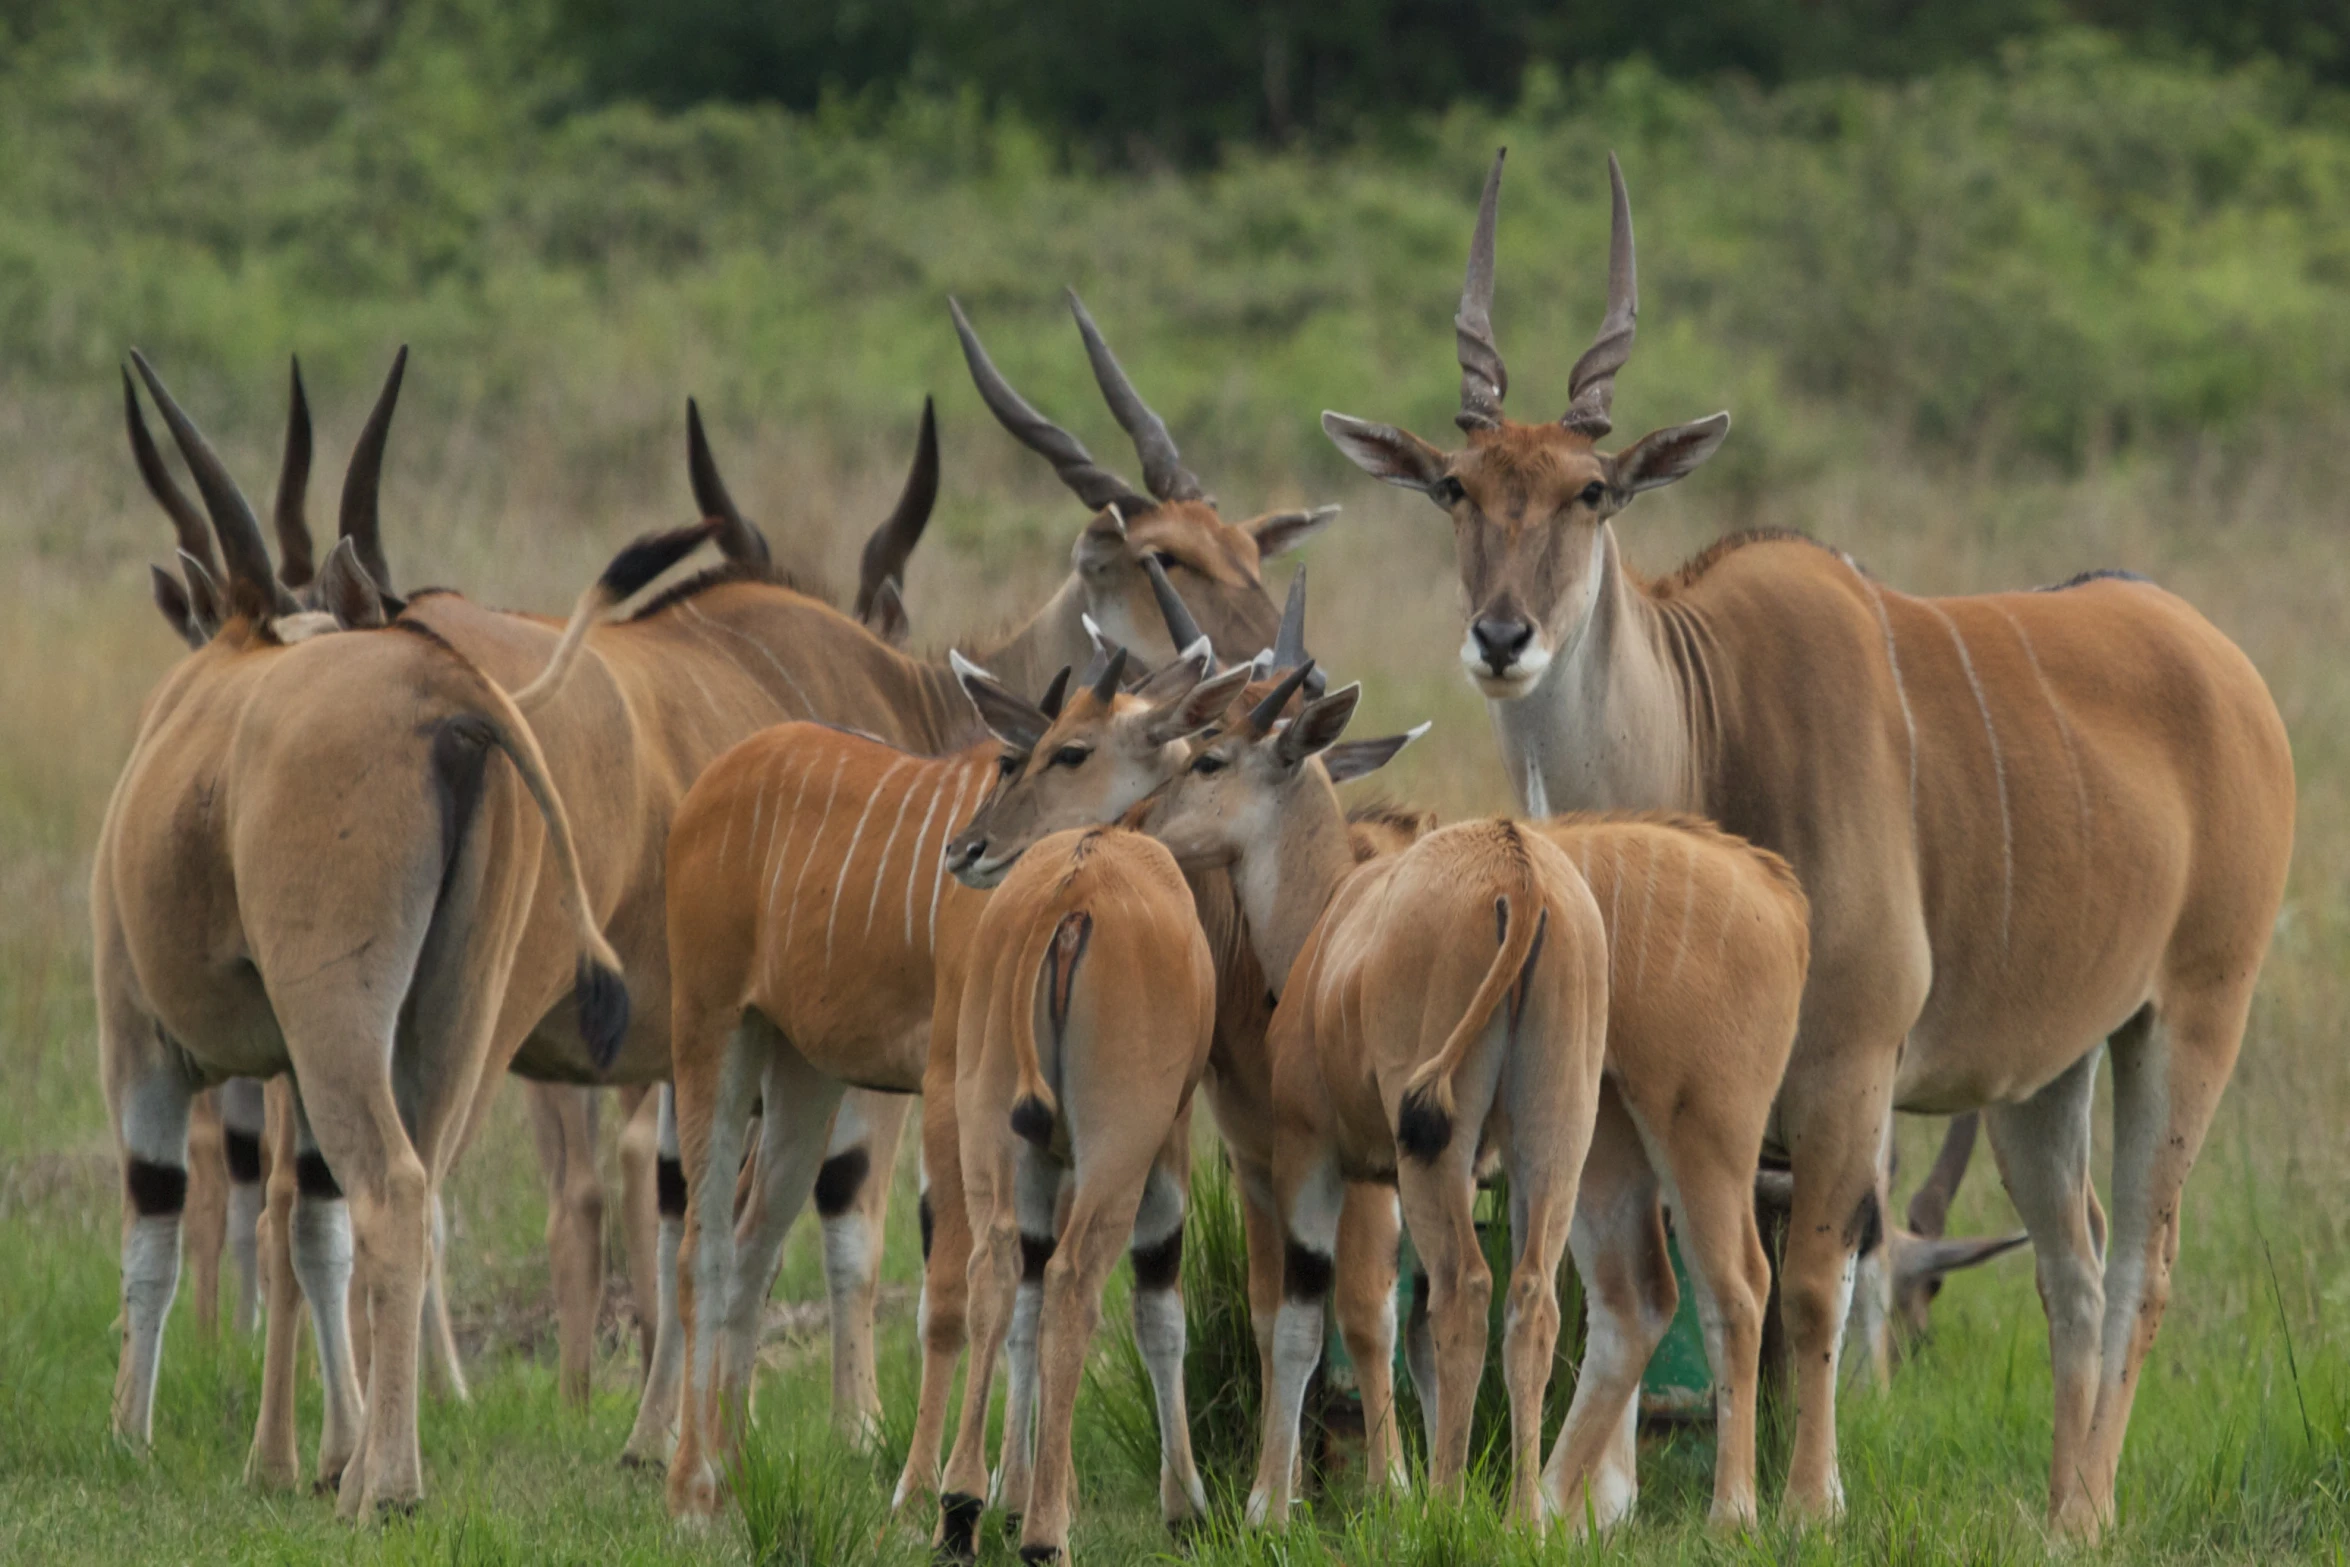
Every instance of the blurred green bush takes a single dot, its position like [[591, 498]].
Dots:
[[2065, 251]]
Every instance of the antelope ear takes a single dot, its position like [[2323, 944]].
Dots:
[[1661, 456], [1318, 725], [1279, 532], [204, 597], [172, 599], [1017, 723], [1179, 674], [1922, 1259], [1352, 759], [345, 590], [1194, 709], [886, 616], [1385, 452], [1103, 542]]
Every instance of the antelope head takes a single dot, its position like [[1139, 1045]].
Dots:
[[1530, 503], [301, 598], [1090, 760], [1171, 522], [1106, 754]]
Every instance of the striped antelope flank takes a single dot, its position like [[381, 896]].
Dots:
[[810, 908], [265, 901], [2035, 828], [1706, 951], [1087, 966]]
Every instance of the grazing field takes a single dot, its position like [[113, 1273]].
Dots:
[[1980, 333]]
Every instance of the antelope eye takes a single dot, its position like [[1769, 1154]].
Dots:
[[1447, 491], [1205, 763], [1071, 756], [1594, 493], [1166, 560], [1008, 763]]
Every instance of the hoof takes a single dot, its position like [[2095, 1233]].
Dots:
[[1012, 1523], [958, 1527], [395, 1510], [1040, 1553], [1182, 1531], [638, 1463]]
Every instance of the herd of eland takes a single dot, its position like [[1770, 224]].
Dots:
[[1794, 851]]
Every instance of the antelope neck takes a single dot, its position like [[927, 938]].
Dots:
[[1286, 884], [1023, 662], [1629, 716]]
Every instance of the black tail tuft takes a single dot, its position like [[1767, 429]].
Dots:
[[1031, 1120], [603, 1011], [643, 559], [1421, 1128]]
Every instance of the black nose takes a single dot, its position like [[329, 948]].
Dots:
[[1499, 642]]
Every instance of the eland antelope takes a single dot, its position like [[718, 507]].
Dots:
[[2037, 829], [308, 864], [1087, 1006]]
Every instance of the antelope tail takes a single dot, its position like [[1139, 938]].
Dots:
[[1050, 955], [1424, 1121], [637, 564], [601, 993]]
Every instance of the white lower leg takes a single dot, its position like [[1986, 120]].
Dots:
[[656, 1411], [1009, 1487], [321, 1246]]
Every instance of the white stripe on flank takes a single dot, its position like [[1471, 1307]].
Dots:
[[758, 813], [888, 847], [776, 859], [734, 806], [2064, 728], [1615, 913], [1909, 721], [816, 842], [1998, 774], [849, 859], [1688, 903], [807, 708], [1647, 906], [915, 870], [938, 867]]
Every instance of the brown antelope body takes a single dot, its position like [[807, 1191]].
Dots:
[[2036, 828], [1087, 1008], [1706, 948], [261, 905], [1445, 1002]]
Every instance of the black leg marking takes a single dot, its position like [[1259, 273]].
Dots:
[[1035, 1252], [922, 1211], [1040, 1553], [1159, 1265], [669, 1187], [244, 1156], [958, 1539], [1306, 1274], [313, 1178], [156, 1190], [839, 1181]]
